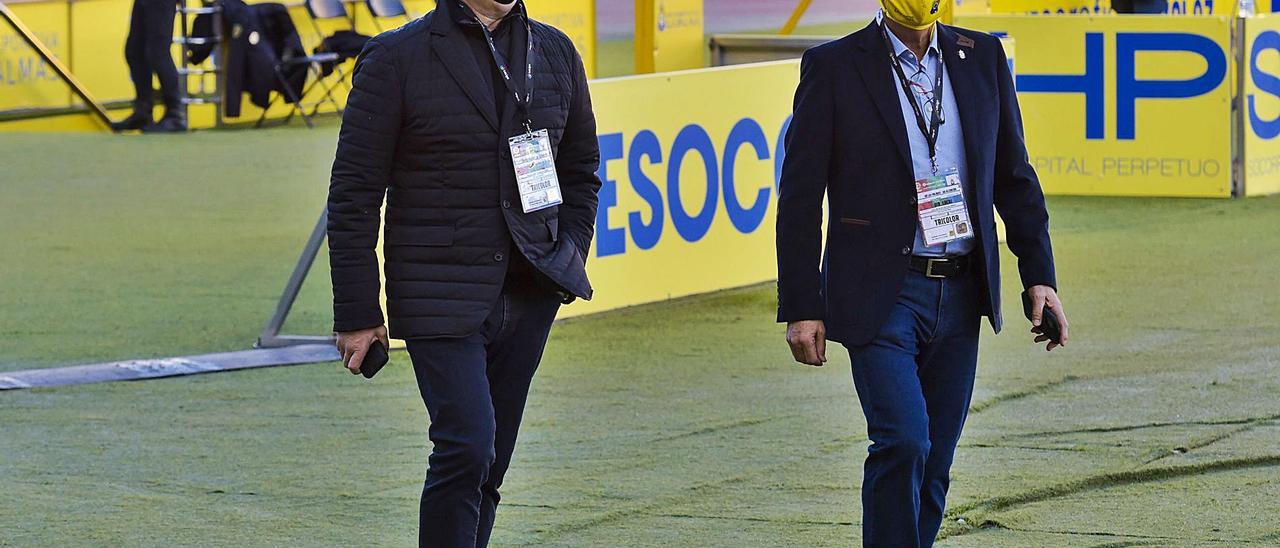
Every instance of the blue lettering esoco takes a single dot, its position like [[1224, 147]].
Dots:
[[692, 143]]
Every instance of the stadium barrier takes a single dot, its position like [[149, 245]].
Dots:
[[1149, 105], [1129, 105], [1261, 107], [669, 35], [688, 192], [1113, 106], [61, 71], [88, 36], [1126, 106], [737, 49], [1103, 7]]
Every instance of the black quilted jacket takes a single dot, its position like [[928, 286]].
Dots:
[[421, 128]]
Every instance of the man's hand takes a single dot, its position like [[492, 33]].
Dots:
[[355, 344], [808, 340], [1044, 297]]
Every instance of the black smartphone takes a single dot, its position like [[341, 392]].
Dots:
[[374, 359], [1048, 319]]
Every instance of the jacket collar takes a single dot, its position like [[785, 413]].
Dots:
[[871, 57], [455, 54], [957, 52]]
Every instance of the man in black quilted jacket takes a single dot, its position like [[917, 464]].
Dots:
[[477, 259]]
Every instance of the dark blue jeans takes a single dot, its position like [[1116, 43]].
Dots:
[[914, 381], [475, 390]]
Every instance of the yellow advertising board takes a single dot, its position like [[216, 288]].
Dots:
[[689, 182], [98, 31], [1262, 105], [669, 35], [26, 81], [1124, 106], [88, 36], [1046, 7], [1100, 7], [964, 7], [575, 18]]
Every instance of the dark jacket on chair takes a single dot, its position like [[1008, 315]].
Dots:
[[258, 36], [848, 142], [421, 127]]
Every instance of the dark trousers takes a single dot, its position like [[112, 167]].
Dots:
[[914, 381], [147, 50], [475, 390]]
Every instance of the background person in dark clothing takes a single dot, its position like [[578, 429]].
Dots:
[[1140, 6], [147, 50], [474, 280]]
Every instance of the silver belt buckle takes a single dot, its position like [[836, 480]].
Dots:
[[928, 269]]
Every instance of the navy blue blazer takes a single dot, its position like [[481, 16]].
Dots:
[[848, 142]]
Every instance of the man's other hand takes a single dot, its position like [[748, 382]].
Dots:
[[808, 340], [355, 344], [1045, 297]]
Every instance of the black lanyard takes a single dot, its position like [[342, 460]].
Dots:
[[930, 130], [522, 105]]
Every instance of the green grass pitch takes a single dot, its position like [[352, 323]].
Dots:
[[676, 424]]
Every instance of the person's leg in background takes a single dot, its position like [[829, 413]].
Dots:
[[135, 54], [513, 358], [947, 368], [885, 376], [158, 36]]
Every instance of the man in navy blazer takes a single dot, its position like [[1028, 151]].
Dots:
[[891, 125]]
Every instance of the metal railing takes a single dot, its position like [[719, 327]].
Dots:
[[736, 49]]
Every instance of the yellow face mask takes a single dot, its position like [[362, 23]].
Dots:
[[913, 14]]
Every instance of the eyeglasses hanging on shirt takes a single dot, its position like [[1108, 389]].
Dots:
[[930, 129], [940, 204]]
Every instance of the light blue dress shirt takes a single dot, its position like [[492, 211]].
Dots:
[[950, 146]]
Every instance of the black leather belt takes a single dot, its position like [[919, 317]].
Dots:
[[940, 267]]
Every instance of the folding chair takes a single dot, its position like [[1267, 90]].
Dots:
[[317, 10], [310, 63], [386, 9], [328, 10], [291, 67]]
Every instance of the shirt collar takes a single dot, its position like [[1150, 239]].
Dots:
[[900, 50], [462, 14]]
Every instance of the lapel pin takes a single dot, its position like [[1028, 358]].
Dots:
[[960, 53]]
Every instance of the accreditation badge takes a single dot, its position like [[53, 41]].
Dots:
[[535, 170], [944, 217]]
